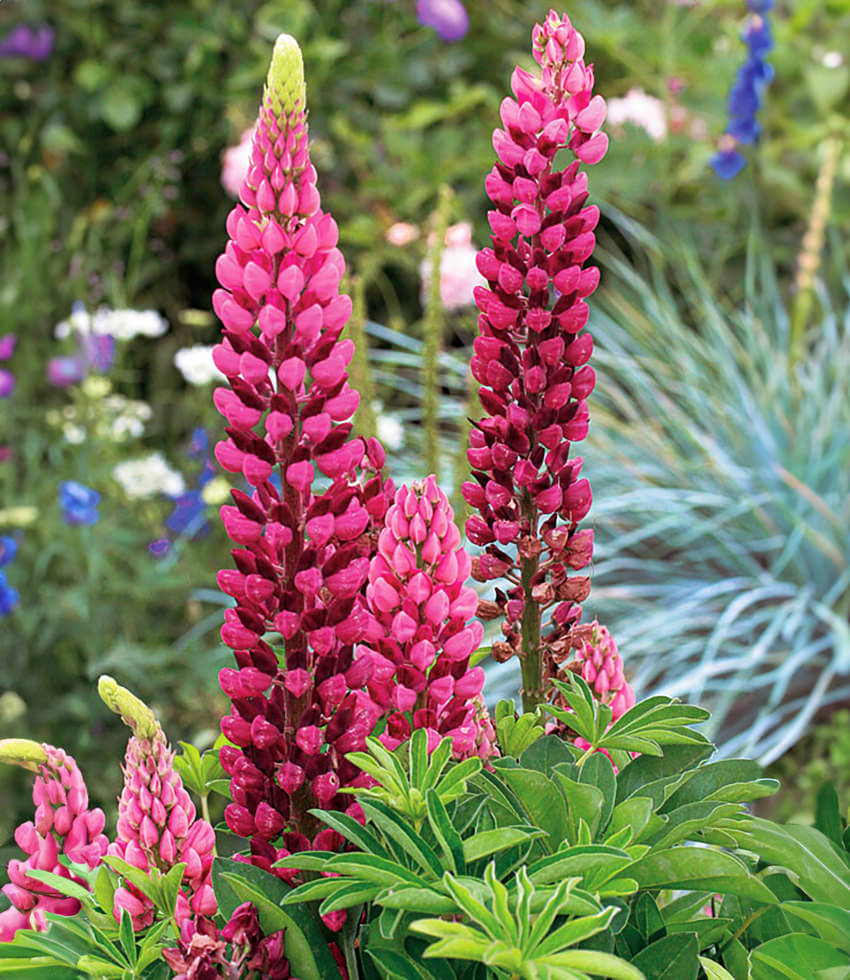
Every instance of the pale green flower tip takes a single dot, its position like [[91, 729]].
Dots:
[[22, 752], [134, 712], [285, 83]]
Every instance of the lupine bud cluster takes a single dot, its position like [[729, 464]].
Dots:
[[303, 555], [531, 355], [598, 661], [202, 953], [63, 824], [421, 636], [157, 827]]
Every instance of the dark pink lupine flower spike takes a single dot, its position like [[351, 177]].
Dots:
[[63, 824], [422, 635], [303, 556], [531, 355], [157, 827]]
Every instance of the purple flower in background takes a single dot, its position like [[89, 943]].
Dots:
[[7, 346], [62, 372], [98, 350], [7, 383], [79, 503], [96, 353], [448, 17], [34, 43], [159, 547]]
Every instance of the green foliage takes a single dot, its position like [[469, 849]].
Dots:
[[91, 943], [554, 860]]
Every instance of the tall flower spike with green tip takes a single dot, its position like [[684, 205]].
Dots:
[[302, 551], [157, 828]]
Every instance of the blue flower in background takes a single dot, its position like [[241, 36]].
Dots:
[[746, 94], [8, 549], [34, 43], [8, 596], [79, 503], [188, 513], [200, 444]]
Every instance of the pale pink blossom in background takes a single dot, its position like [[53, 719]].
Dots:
[[234, 164], [402, 233], [639, 109], [459, 274]]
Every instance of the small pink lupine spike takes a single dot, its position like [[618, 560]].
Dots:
[[64, 825], [157, 826], [531, 357], [302, 556], [598, 661], [421, 635]]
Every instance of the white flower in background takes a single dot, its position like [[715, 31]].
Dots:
[[639, 109], [126, 324], [73, 433], [80, 321], [833, 59], [389, 430], [126, 427], [120, 324], [196, 365], [141, 478]]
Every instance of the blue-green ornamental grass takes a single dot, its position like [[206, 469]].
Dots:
[[722, 463]]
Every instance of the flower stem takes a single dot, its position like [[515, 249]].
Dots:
[[530, 657], [808, 261]]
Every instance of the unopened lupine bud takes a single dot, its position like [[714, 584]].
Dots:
[[157, 826]]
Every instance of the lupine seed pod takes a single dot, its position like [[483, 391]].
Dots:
[[157, 827], [63, 824], [303, 555], [531, 355], [421, 635]]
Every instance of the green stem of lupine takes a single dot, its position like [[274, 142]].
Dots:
[[808, 261], [472, 410], [531, 660], [359, 373], [433, 329]]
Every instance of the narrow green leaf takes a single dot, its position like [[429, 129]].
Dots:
[[128, 937], [443, 829]]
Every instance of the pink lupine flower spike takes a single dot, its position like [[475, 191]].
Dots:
[[302, 556], [531, 355], [63, 824], [157, 827]]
